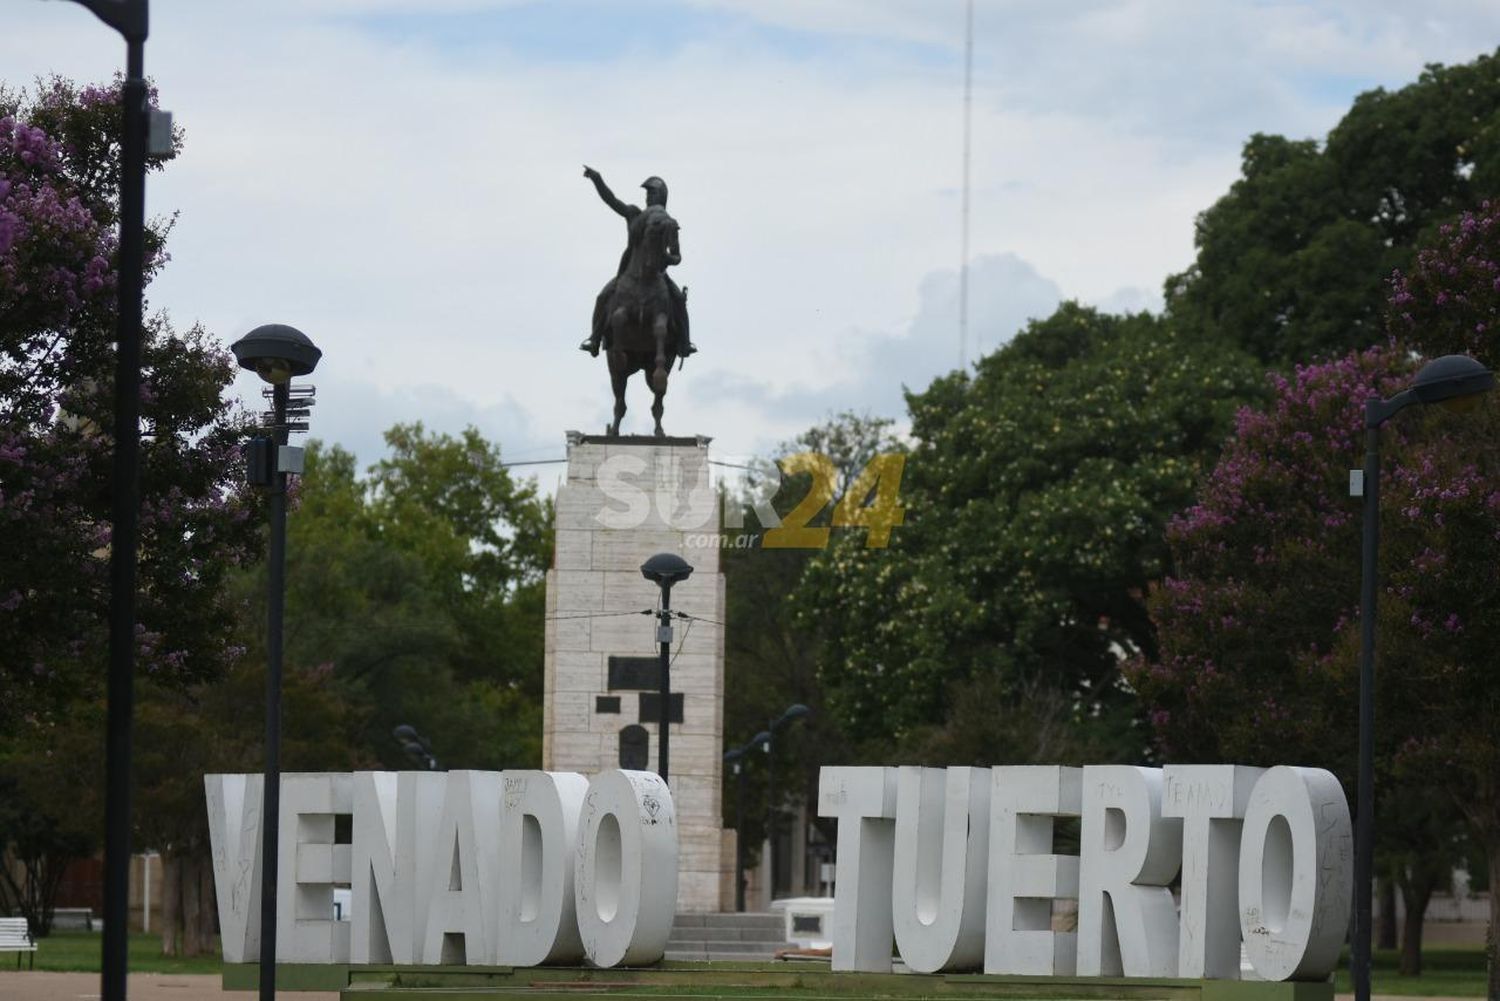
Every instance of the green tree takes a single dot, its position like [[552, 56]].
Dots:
[[59, 151], [770, 660], [1292, 262], [993, 626], [420, 587]]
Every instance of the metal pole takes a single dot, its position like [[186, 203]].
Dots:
[[665, 737], [963, 262], [275, 598], [125, 487], [739, 837], [146, 892], [770, 818], [1364, 835]]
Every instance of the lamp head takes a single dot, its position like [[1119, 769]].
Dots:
[[666, 569], [761, 739], [1454, 380], [794, 711], [276, 353]]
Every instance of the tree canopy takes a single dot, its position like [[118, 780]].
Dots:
[[1292, 261], [1035, 492]]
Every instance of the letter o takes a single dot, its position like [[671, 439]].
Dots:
[[625, 873], [1295, 879]]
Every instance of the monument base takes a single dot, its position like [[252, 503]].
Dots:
[[625, 499]]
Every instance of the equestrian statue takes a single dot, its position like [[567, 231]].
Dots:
[[640, 316]]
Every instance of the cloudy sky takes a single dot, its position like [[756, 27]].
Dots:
[[402, 179]]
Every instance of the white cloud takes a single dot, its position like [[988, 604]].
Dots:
[[420, 212]]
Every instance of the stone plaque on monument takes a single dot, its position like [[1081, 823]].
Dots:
[[624, 500]]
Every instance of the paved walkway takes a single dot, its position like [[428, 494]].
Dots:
[[35, 985]]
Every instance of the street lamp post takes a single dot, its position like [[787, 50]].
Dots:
[[276, 353], [664, 570], [131, 19], [793, 712], [1450, 379], [417, 747], [736, 758]]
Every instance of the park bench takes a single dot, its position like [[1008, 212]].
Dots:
[[73, 918], [14, 937]]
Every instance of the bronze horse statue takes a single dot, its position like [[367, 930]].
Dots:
[[644, 318]]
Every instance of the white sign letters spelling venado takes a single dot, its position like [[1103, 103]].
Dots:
[[957, 868], [485, 868]]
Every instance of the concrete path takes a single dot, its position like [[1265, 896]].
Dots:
[[35, 985]]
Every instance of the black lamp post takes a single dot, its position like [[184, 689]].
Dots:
[[735, 758], [664, 570], [793, 712], [1455, 380], [276, 353], [131, 19]]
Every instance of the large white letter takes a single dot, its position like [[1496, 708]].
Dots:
[[625, 883], [1025, 876], [864, 801], [538, 835], [309, 865], [234, 828], [395, 828], [462, 891], [941, 853], [1129, 855], [1295, 879], [1211, 801]]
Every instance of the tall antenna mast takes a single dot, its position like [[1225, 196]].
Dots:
[[963, 264]]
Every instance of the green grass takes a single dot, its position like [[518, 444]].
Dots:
[[1445, 972], [79, 952], [1457, 972]]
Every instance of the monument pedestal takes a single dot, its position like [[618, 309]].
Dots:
[[624, 500]]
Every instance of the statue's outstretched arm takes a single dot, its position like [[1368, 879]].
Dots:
[[607, 195]]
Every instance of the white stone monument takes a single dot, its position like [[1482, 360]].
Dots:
[[624, 500]]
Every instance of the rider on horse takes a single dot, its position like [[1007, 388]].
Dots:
[[656, 197]]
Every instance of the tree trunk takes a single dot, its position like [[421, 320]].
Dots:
[[208, 908], [1387, 925], [171, 892], [1416, 892], [192, 944], [1493, 993]]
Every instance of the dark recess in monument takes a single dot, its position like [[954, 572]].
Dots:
[[650, 709], [634, 673], [635, 748], [607, 704]]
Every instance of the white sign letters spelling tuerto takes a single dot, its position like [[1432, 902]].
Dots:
[[957, 868], [931, 858]]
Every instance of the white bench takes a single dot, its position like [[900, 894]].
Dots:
[[14, 937]]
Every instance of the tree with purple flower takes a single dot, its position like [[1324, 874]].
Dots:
[[59, 172], [1259, 623]]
